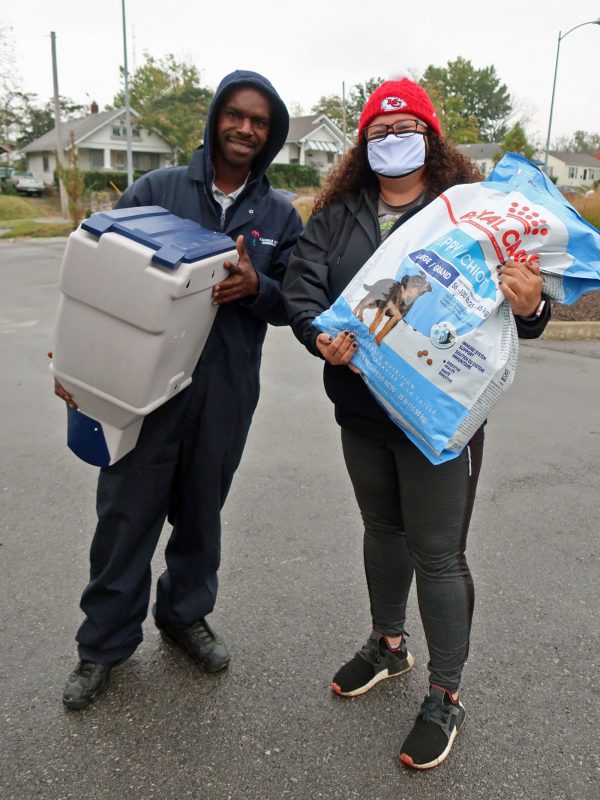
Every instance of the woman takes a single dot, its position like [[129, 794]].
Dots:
[[399, 163]]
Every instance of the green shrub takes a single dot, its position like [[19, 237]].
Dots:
[[7, 188], [291, 176], [72, 178], [99, 181]]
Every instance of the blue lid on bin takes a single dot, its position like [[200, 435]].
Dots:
[[174, 239], [85, 438]]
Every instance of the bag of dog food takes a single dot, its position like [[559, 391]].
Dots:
[[437, 341]]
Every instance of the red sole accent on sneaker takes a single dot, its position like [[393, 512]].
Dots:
[[406, 760], [336, 689]]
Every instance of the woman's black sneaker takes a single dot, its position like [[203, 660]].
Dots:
[[374, 663], [434, 731]]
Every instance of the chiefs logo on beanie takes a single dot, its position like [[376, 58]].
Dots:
[[393, 104], [394, 96]]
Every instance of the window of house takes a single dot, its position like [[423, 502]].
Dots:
[[120, 132], [118, 160], [572, 172], [45, 163], [484, 168], [146, 161], [584, 175], [96, 159]]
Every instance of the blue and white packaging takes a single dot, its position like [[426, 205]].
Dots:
[[437, 341]]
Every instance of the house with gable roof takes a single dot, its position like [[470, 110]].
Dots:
[[573, 169], [314, 141], [568, 169], [482, 155], [101, 142]]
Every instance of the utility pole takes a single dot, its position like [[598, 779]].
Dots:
[[60, 153], [127, 109]]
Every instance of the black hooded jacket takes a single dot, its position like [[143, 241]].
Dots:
[[269, 223]]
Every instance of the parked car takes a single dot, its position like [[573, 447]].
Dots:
[[26, 183]]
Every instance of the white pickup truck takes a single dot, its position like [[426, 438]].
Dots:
[[26, 183]]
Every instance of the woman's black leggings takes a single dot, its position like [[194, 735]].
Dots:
[[416, 516]]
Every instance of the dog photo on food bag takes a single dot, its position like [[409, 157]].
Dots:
[[392, 299]]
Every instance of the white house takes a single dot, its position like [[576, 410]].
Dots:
[[100, 139], [314, 141], [569, 169], [573, 169], [481, 154]]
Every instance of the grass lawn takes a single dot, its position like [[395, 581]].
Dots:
[[28, 227], [17, 208], [26, 217]]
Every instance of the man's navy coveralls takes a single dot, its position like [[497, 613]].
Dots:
[[189, 448]]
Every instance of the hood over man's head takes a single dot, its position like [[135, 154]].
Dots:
[[278, 124]]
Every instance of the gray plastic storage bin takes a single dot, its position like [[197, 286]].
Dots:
[[134, 314]]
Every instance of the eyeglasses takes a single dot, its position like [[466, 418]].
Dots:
[[403, 128]]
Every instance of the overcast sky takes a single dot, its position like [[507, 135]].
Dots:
[[307, 49]]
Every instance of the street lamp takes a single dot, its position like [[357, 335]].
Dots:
[[561, 36]]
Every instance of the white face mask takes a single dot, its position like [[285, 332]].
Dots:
[[394, 157]]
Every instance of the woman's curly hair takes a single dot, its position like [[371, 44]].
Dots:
[[445, 167]]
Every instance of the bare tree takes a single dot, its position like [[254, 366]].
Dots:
[[9, 78]]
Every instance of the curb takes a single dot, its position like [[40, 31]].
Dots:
[[571, 331]]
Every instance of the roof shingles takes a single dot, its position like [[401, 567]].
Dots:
[[80, 128]]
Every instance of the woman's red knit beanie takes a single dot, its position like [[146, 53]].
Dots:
[[395, 96]]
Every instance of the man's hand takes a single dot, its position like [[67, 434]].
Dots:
[[521, 284], [242, 282], [60, 391], [339, 351]]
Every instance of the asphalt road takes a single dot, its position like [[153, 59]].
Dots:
[[293, 604]]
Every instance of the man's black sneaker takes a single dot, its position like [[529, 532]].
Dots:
[[434, 731], [200, 643], [85, 683], [372, 664]]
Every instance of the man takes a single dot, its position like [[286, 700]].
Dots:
[[189, 448]]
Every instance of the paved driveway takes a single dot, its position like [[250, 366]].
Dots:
[[293, 604]]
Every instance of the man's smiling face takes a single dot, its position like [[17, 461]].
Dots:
[[243, 127]]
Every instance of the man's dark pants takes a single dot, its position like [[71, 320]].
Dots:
[[181, 467]]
